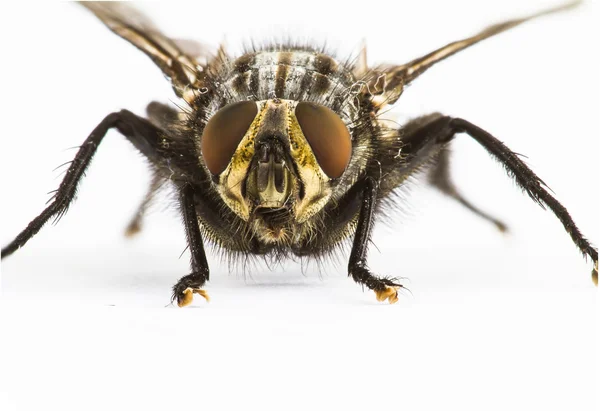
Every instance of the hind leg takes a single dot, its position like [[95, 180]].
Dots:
[[439, 177], [135, 224]]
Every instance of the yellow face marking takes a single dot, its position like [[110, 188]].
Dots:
[[316, 183], [232, 178]]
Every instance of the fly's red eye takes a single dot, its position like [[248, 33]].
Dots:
[[327, 135], [223, 134]]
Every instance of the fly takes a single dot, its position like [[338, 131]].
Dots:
[[280, 152]]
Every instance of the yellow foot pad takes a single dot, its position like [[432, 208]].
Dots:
[[188, 296], [390, 294]]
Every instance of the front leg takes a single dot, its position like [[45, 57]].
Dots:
[[385, 288], [192, 283]]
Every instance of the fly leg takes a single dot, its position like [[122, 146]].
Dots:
[[425, 137], [135, 224], [439, 177], [139, 131], [385, 288], [186, 287]]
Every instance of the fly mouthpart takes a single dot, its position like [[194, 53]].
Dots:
[[273, 180]]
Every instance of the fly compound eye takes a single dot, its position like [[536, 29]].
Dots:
[[224, 132], [327, 135]]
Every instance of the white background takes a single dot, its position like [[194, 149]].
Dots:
[[493, 322]]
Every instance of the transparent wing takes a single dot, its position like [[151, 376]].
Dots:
[[389, 80], [171, 56]]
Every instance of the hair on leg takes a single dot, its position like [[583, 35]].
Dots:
[[186, 287], [139, 131], [421, 142], [385, 288]]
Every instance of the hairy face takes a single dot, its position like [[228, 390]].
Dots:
[[275, 159]]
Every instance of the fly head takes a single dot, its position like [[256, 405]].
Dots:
[[274, 161]]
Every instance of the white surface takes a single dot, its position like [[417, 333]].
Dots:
[[493, 322]]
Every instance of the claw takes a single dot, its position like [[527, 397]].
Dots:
[[188, 296], [133, 229], [389, 293], [501, 227]]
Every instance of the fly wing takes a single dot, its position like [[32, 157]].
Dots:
[[388, 81], [171, 56]]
